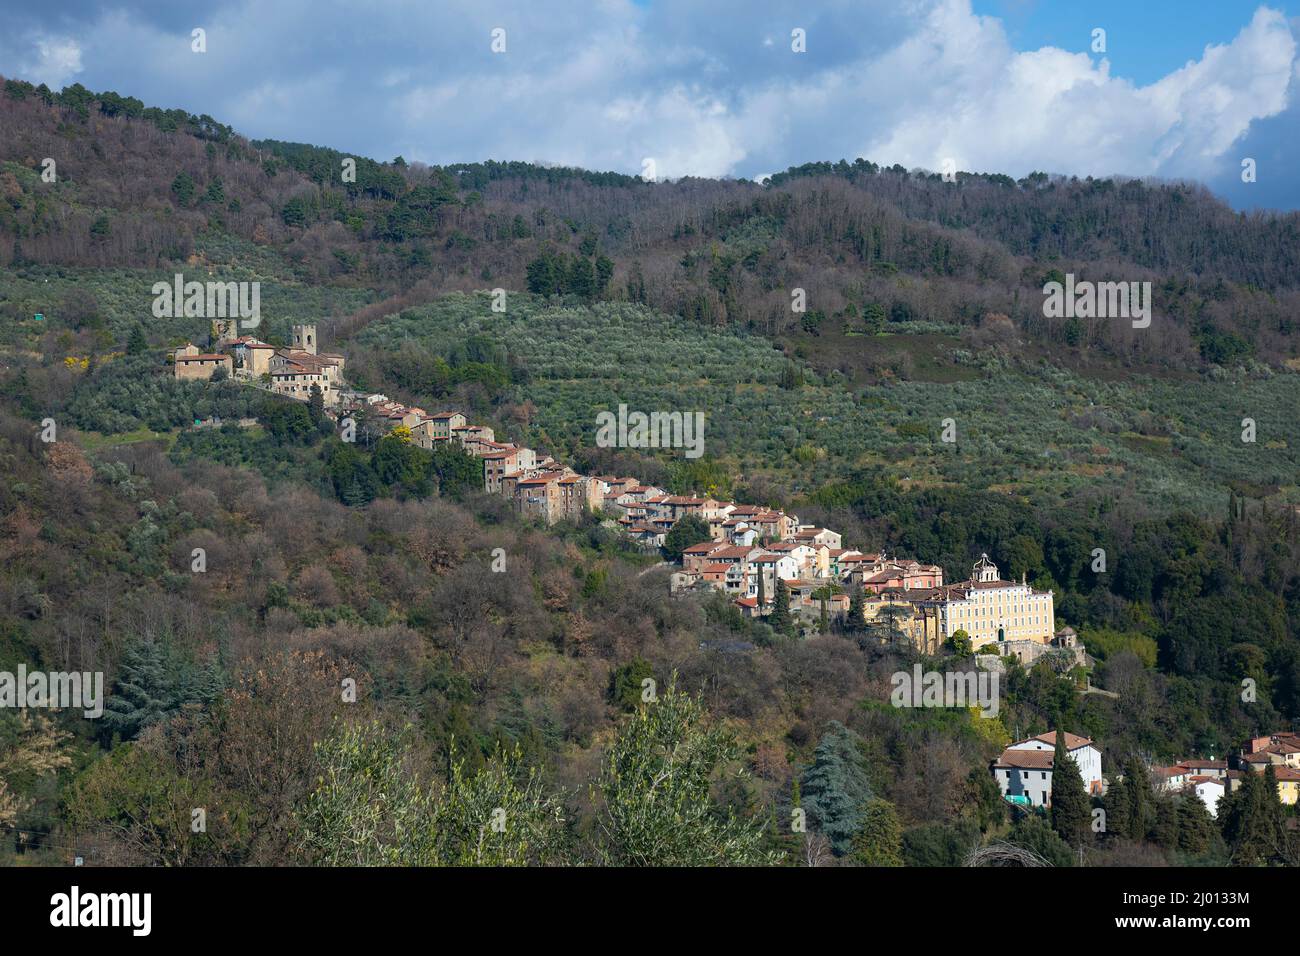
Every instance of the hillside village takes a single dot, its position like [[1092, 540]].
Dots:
[[761, 557]]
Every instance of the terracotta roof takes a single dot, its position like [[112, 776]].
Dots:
[[1026, 759], [736, 551], [1072, 741]]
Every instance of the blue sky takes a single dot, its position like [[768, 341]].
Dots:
[[1183, 90]]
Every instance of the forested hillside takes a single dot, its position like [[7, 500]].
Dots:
[[873, 247], [330, 565]]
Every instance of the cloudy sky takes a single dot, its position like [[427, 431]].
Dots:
[[1183, 88]]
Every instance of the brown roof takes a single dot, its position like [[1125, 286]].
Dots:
[[1072, 741], [737, 551], [1026, 759]]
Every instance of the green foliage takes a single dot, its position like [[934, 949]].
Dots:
[[183, 188], [1071, 811], [370, 809], [688, 530], [656, 786], [143, 692], [836, 787], [1034, 833], [937, 844], [625, 683], [878, 841], [1251, 820]]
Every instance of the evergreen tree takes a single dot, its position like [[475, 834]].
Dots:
[[1116, 804], [316, 404], [1195, 826], [879, 840], [855, 610], [142, 694], [1138, 792], [1036, 835], [1070, 807], [780, 616], [1251, 818], [983, 803], [836, 787], [1165, 832], [183, 188], [136, 342], [689, 529]]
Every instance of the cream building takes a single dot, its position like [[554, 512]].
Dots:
[[990, 609]]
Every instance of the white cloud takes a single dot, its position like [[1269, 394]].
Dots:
[[54, 61], [707, 93]]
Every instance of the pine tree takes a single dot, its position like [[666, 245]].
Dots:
[[142, 694], [1070, 808]]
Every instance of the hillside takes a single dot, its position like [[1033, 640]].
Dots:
[[379, 561]]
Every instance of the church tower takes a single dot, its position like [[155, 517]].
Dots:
[[984, 570], [304, 338]]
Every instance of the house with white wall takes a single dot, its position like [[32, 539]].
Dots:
[[1025, 768]]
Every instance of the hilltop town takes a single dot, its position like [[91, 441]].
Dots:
[[768, 562], [754, 555]]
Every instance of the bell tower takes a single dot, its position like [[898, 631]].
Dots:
[[304, 338], [984, 570]]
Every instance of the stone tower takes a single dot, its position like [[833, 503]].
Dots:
[[304, 338]]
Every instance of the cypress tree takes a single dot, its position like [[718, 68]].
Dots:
[[1070, 809], [780, 619], [1117, 806], [1139, 799], [855, 610]]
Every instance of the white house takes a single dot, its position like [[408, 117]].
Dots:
[[1209, 790], [1025, 768]]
